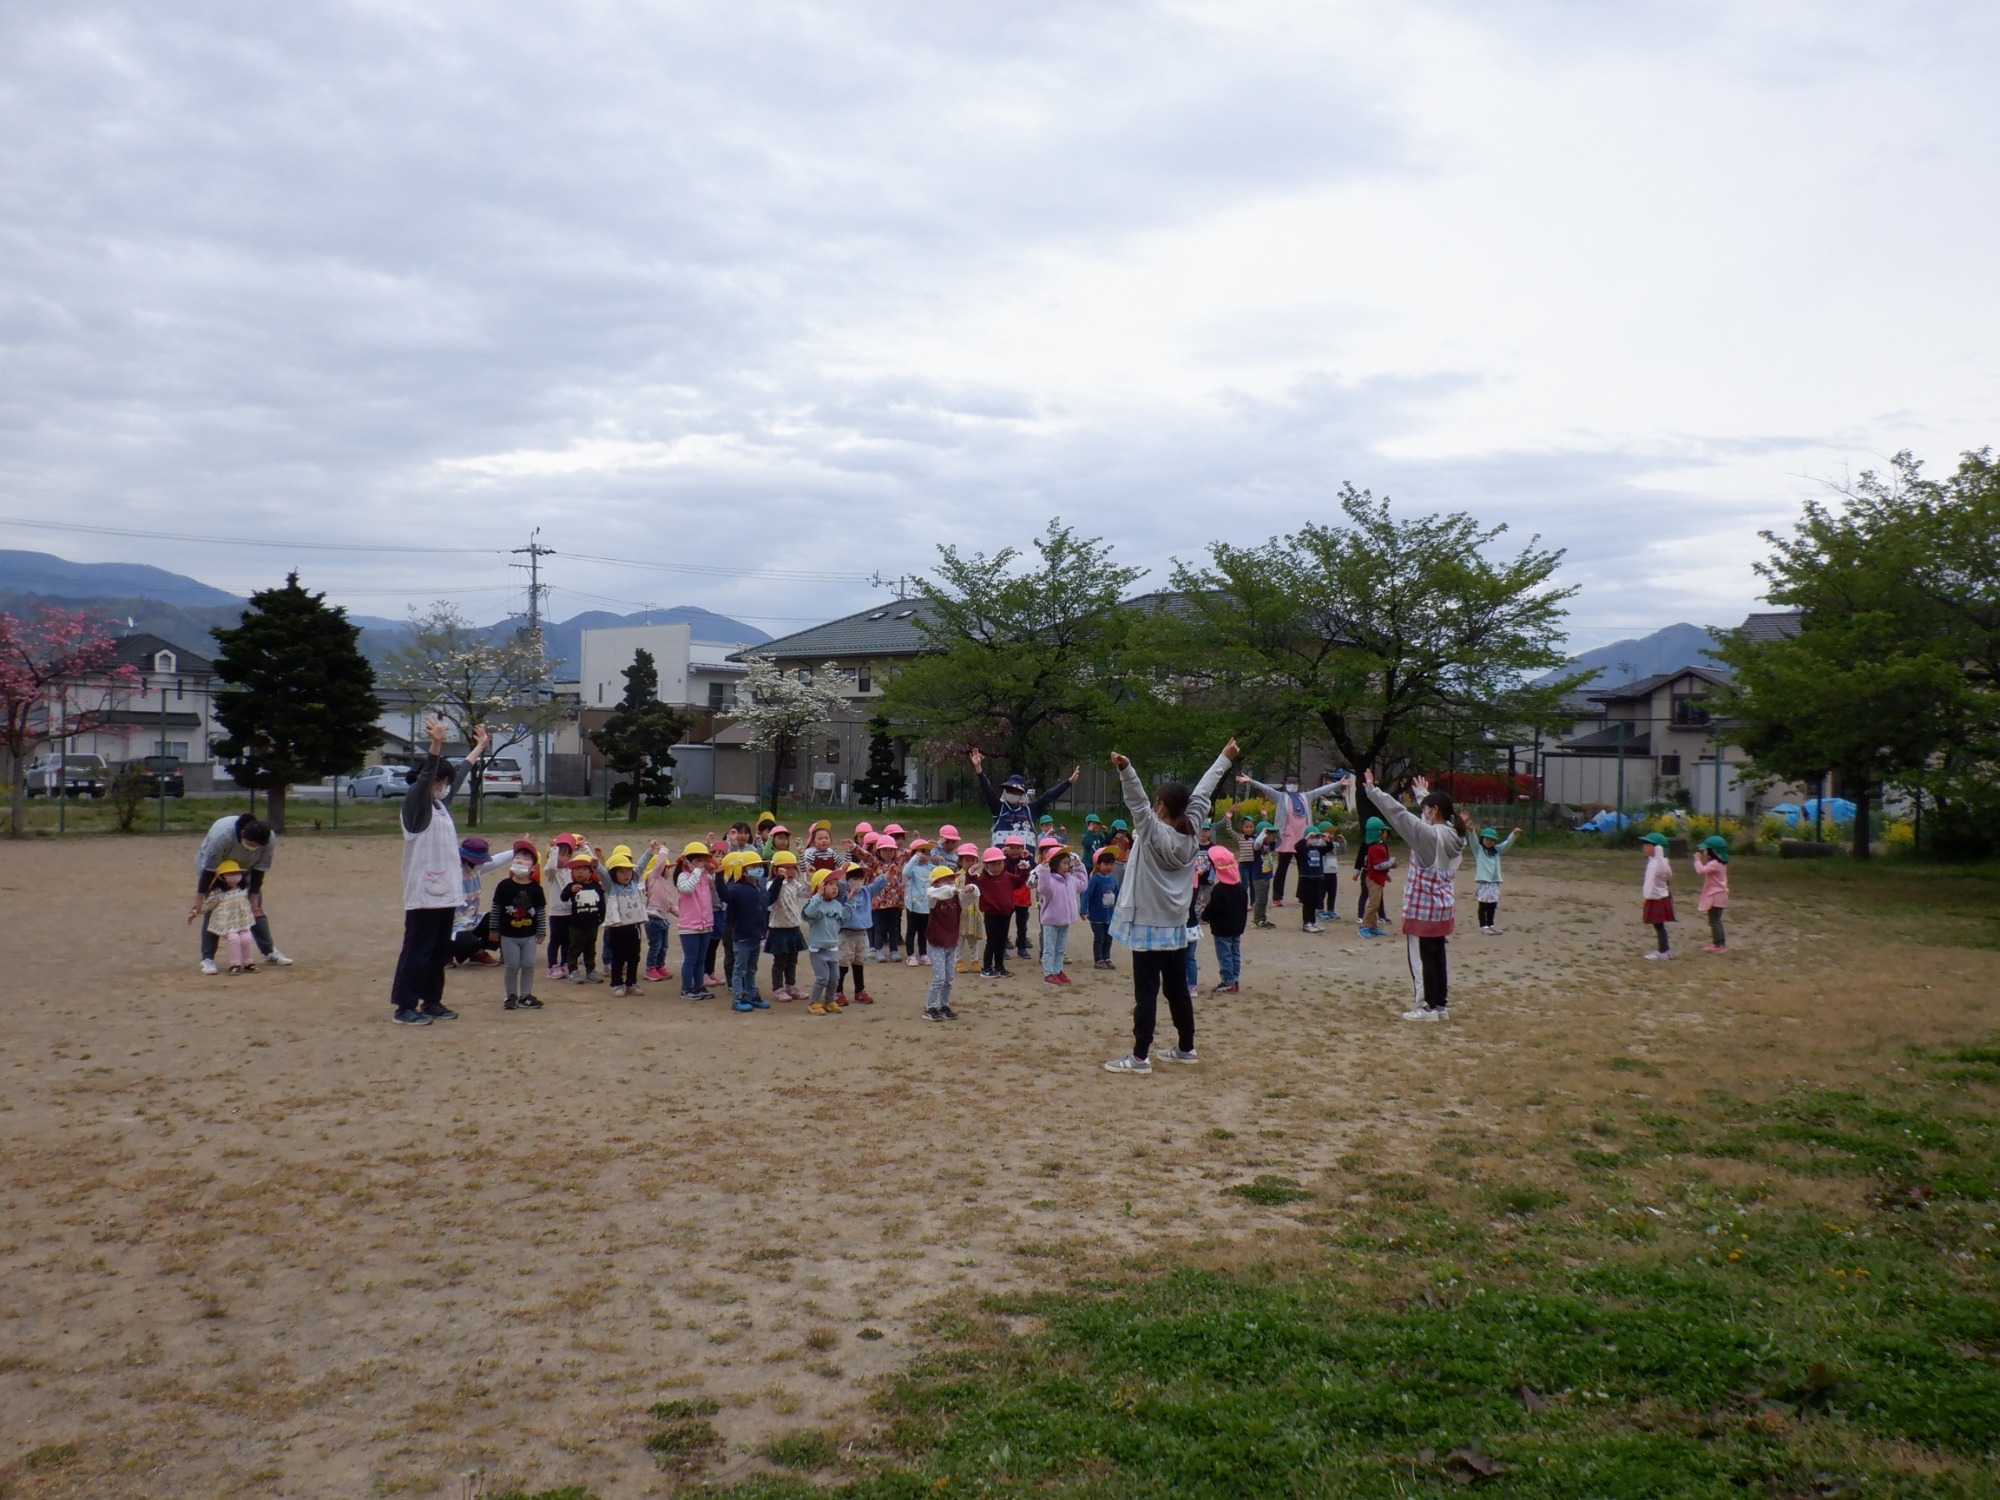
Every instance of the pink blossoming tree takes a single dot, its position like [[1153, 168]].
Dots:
[[43, 660]]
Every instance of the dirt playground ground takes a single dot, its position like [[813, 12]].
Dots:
[[257, 1241]]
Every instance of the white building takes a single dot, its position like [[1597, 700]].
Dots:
[[693, 674]]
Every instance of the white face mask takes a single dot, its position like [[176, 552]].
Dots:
[[1014, 799], [521, 869]]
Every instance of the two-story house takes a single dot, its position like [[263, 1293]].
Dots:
[[165, 708], [1652, 740]]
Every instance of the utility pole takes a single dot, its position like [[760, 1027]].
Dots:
[[535, 553]]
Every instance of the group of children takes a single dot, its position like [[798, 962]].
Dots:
[[878, 895]]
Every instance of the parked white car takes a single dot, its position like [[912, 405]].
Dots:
[[503, 777], [380, 781]]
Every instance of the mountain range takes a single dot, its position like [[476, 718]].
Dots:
[[1665, 650], [183, 610]]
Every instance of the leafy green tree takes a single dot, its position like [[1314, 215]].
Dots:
[[1023, 659], [1891, 677], [1399, 639], [637, 739], [297, 698], [884, 782]]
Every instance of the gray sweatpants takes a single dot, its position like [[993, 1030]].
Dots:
[[826, 973], [944, 969], [517, 957]]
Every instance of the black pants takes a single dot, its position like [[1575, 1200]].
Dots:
[[994, 959], [1278, 880], [583, 944], [1488, 910], [1311, 890], [1429, 980], [1021, 930], [558, 941], [1100, 942], [1360, 897], [784, 970], [419, 981], [1661, 929], [465, 944], [1152, 972], [259, 929], [1715, 926], [917, 932], [623, 944], [715, 942], [888, 928]]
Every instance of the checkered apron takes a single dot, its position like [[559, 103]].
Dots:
[[1429, 902]]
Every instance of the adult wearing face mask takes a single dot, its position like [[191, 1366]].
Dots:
[[1295, 816], [1013, 811]]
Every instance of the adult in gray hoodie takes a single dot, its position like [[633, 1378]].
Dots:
[[1151, 917]]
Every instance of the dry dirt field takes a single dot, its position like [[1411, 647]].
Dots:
[[254, 1240]]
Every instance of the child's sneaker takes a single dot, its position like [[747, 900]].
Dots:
[[278, 960], [1427, 1013], [208, 966], [1656, 955], [558, 971], [1178, 1054], [758, 1002], [933, 1015], [236, 968], [247, 969], [1129, 1063], [576, 976], [410, 1017], [1312, 927], [820, 1008], [862, 997], [512, 1004], [741, 1005], [1715, 947], [529, 1002], [1061, 978], [948, 1013], [1230, 989], [1050, 979]]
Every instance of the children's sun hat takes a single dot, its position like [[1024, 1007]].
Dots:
[[1046, 820], [584, 857], [778, 828], [965, 849], [1119, 825], [1107, 853], [229, 867], [621, 859], [1490, 833], [819, 878], [894, 830], [1223, 863], [766, 817], [566, 840], [942, 872], [862, 830], [919, 843], [784, 859], [1089, 818], [696, 850], [1050, 842], [855, 870], [947, 833], [1374, 829], [718, 847], [1715, 843], [1015, 838], [992, 854], [1654, 838]]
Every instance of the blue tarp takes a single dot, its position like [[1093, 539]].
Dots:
[[1605, 822], [1838, 810]]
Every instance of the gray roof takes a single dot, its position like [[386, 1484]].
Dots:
[[1607, 742], [1645, 687], [138, 648], [887, 629], [1780, 625]]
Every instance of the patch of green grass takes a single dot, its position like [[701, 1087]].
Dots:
[[1668, 1335], [567, 1492], [803, 1448], [50, 1456], [1269, 1191], [686, 1431]]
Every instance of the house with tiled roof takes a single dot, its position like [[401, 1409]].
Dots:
[[165, 707]]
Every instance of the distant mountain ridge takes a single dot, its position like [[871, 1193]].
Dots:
[[1665, 650], [184, 610]]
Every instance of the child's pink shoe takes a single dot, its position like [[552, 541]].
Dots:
[[1715, 947], [558, 971]]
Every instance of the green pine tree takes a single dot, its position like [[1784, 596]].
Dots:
[[884, 781], [637, 739], [297, 698]]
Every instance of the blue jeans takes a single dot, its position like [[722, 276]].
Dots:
[[656, 942], [1055, 948], [743, 976], [1229, 958], [694, 961], [1100, 942], [1193, 969]]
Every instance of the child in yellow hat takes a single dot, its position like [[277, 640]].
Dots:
[[226, 912]]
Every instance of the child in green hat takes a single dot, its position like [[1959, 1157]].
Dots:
[[1376, 863], [1094, 838], [1486, 876], [1656, 889], [1711, 863]]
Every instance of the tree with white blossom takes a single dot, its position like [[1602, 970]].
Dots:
[[779, 708]]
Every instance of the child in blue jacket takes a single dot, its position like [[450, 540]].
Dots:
[[1100, 903], [859, 893]]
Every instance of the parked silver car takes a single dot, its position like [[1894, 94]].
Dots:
[[75, 775], [503, 777], [380, 781]]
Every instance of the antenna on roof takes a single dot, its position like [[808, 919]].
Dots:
[[901, 583]]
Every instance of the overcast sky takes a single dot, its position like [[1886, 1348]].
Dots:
[[769, 290]]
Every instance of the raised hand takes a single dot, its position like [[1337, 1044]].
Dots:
[[1232, 749], [1074, 772], [1420, 786], [1368, 778], [978, 761], [1119, 761], [434, 728]]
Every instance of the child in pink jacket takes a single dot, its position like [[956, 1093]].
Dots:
[[1711, 863], [1058, 887]]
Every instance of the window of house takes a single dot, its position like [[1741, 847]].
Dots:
[[1670, 765], [175, 748], [164, 664], [180, 689], [861, 679], [1689, 709], [720, 695], [805, 675]]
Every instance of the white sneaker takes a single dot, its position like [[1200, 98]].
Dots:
[[1425, 1013], [208, 966], [277, 959], [1128, 1064], [1178, 1054], [1656, 954], [1312, 927]]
